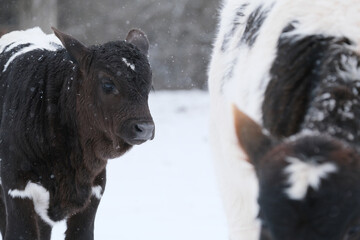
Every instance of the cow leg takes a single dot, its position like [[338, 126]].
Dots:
[[45, 230], [21, 219], [2, 214], [81, 225]]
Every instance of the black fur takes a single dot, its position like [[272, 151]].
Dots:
[[294, 73], [253, 25]]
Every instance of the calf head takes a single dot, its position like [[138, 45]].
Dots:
[[308, 184], [112, 93]]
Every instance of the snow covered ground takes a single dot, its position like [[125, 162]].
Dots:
[[164, 189]]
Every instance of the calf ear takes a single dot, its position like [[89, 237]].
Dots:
[[75, 48], [139, 39], [251, 136]]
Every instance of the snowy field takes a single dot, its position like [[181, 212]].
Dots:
[[164, 189]]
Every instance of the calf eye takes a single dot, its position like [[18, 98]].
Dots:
[[109, 87], [353, 232]]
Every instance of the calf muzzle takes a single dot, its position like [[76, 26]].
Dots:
[[144, 131], [137, 132]]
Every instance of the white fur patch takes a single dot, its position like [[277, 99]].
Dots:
[[40, 197], [130, 65], [34, 36], [303, 175], [96, 192]]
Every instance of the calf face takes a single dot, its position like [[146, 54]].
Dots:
[[308, 184], [112, 100]]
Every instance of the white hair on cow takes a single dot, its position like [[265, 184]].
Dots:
[[338, 18], [130, 65], [40, 197], [36, 39], [305, 174], [96, 191]]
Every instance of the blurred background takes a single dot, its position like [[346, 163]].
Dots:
[[180, 32]]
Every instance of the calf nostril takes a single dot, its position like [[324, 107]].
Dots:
[[138, 128], [144, 130]]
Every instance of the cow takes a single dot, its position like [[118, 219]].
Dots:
[[284, 82], [66, 109]]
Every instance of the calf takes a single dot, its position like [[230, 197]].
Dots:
[[66, 109], [292, 67]]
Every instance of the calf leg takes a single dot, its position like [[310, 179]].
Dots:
[[21, 220], [45, 230], [2, 214], [81, 225]]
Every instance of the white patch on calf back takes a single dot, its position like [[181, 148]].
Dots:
[[303, 175], [40, 197], [34, 36], [130, 65], [96, 192]]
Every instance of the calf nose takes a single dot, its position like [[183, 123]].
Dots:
[[144, 131]]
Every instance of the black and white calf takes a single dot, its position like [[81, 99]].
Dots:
[[288, 154], [65, 110]]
